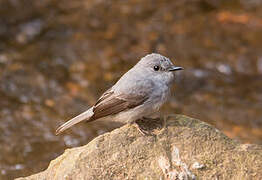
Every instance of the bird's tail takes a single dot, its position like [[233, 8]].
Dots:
[[83, 116]]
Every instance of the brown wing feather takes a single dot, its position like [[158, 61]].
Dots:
[[110, 104], [104, 96]]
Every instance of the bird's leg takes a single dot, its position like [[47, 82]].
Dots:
[[162, 119], [165, 117]]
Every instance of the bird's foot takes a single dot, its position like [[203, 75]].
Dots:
[[143, 131], [147, 126]]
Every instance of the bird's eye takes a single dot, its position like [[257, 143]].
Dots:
[[156, 68]]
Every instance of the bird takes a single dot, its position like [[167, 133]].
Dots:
[[139, 93]]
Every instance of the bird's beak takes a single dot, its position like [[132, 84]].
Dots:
[[174, 68]]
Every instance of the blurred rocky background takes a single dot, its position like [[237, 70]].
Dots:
[[58, 56]]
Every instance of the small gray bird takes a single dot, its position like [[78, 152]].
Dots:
[[138, 93]]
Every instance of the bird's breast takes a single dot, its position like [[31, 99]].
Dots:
[[160, 95]]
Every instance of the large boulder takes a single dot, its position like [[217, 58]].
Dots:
[[177, 148]]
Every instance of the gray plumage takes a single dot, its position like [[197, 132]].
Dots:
[[138, 93]]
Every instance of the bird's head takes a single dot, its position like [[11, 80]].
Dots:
[[158, 67]]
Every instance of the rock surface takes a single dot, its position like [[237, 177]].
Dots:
[[180, 148]]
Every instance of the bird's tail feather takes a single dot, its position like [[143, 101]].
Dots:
[[83, 116]]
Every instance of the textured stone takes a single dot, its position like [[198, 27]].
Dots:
[[179, 148]]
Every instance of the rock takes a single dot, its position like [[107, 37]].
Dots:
[[181, 148]]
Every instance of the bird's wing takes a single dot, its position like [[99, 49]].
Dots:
[[111, 103]]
